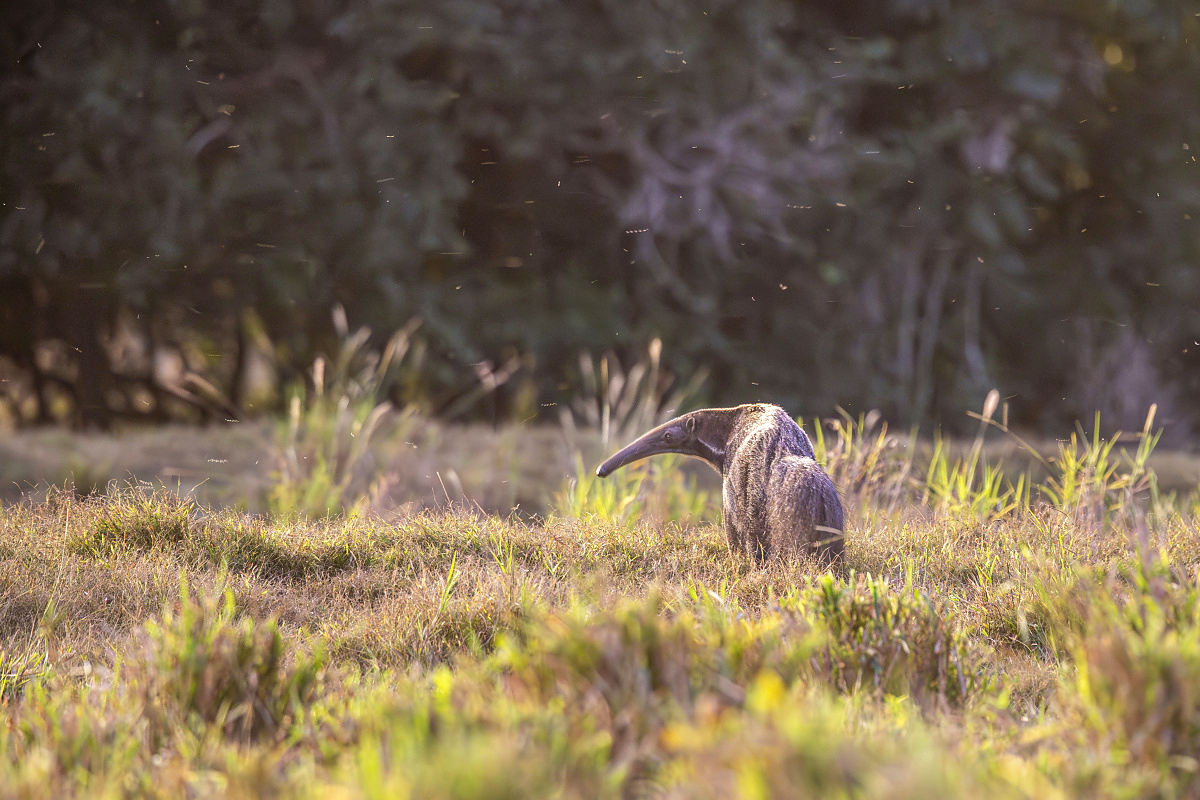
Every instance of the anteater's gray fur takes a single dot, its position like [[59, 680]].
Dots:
[[778, 501]]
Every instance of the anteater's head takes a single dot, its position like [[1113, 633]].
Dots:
[[700, 433]]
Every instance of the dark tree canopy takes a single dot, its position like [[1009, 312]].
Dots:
[[895, 204]]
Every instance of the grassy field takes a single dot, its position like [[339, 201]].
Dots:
[[986, 636]]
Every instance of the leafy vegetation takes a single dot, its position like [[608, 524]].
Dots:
[[152, 646], [907, 194]]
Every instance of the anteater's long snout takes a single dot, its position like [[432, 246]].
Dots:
[[644, 447], [612, 464]]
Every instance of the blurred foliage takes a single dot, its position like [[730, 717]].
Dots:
[[898, 204]]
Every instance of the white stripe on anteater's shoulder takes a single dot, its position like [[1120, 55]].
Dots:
[[777, 499]]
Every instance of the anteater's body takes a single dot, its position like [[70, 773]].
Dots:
[[778, 502]]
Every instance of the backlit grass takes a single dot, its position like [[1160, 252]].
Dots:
[[977, 641]]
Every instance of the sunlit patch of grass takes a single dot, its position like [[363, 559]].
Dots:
[[620, 405], [654, 490], [878, 472], [617, 498], [134, 518]]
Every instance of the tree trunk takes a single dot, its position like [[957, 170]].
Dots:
[[237, 382], [86, 323]]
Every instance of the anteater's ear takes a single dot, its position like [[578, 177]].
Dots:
[[691, 425]]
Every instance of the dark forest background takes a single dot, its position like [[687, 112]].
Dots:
[[896, 204]]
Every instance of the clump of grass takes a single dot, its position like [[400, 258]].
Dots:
[[19, 670], [1130, 697], [850, 637], [324, 447], [633, 670], [876, 471], [1086, 477], [893, 643], [622, 405], [138, 518], [788, 742], [202, 666], [133, 518], [655, 677], [617, 498], [654, 490], [866, 462], [969, 487], [61, 741], [1090, 479]]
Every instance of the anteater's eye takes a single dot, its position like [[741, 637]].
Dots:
[[668, 436]]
